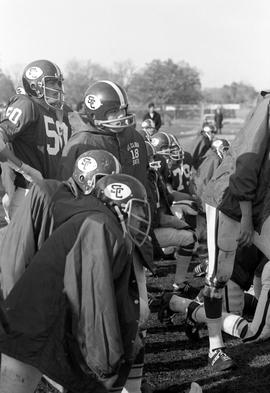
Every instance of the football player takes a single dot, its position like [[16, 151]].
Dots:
[[237, 210], [169, 230], [74, 313], [47, 206], [202, 144], [168, 146], [112, 128], [235, 301], [37, 126], [179, 164]]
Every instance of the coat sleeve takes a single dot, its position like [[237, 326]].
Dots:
[[27, 231], [91, 268]]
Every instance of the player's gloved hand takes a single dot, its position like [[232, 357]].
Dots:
[[30, 174], [246, 231]]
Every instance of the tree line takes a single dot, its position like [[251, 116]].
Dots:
[[164, 82]]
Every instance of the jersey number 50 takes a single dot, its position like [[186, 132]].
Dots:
[[58, 133]]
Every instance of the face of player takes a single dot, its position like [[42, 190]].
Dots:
[[53, 92], [151, 109], [138, 222], [116, 115]]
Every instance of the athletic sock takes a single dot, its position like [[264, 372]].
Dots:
[[213, 311], [182, 265]]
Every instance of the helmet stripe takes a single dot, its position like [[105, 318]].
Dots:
[[119, 93], [117, 164]]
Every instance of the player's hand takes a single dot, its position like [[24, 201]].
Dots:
[[246, 232], [30, 174]]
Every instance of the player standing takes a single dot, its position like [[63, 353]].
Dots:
[[112, 128], [36, 125]]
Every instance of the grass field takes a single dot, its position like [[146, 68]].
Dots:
[[173, 361]]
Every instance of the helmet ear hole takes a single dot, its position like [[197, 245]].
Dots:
[[81, 178], [33, 86]]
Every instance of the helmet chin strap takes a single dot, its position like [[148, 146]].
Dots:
[[127, 239]]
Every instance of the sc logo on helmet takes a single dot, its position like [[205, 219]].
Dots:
[[93, 102], [33, 73], [117, 191]]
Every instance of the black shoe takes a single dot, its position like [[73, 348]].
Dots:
[[165, 314], [186, 290], [191, 326], [147, 387], [220, 361], [154, 302]]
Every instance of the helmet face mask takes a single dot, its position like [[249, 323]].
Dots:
[[168, 146], [137, 222], [176, 151], [153, 164], [53, 92], [43, 79], [106, 106], [127, 197], [91, 166], [116, 123]]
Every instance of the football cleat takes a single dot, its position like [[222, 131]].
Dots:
[[191, 326], [165, 314], [185, 289], [201, 269], [220, 361]]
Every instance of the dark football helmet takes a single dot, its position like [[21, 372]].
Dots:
[[149, 127], [151, 152], [126, 196], [104, 99], [208, 130], [161, 142], [43, 79], [145, 135], [176, 150], [91, 166], [220, 147]]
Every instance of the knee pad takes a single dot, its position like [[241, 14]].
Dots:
[[233, 298], [225, 266]]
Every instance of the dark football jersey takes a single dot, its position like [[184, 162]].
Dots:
[[179, 173], [36, 134]]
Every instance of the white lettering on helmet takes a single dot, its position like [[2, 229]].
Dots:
[[33, 73], [117, 191], [154, 141], [92, 102], [87, 164]]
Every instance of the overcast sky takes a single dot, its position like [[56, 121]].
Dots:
[[226, 40]]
